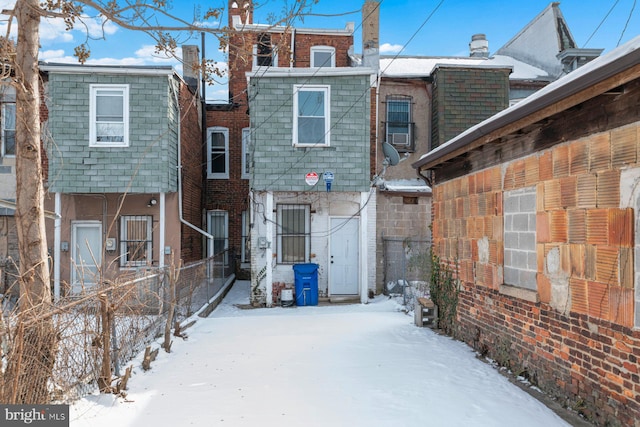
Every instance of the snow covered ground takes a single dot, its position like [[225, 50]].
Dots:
[[342, 365]]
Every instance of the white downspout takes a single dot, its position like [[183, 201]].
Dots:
[[56, 247], [269, 251], [163, 217], [179, 168], [292, 56], [364, 245]]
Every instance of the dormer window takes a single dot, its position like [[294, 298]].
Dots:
[[264, 53], [323, 56]]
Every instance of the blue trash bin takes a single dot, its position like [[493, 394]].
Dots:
[[306, 283]]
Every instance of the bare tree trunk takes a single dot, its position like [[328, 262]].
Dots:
[[31, 368], [104, 381]]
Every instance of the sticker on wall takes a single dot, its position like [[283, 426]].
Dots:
[[328, 179], [311, 178]]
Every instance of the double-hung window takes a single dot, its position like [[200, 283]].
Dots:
[[246, 153], [293, 233], [311, 122], [264, 53], [219, 229], [136, 243], [218, 153], [9, 129], [323, 56], [399, 125], [109, 115]]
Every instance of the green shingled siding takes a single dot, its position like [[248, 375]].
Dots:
[[147, 165], [278, 166], [465, 97]]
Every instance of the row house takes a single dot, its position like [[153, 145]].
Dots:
[[535, 210], [123, 146], [425, 101], [289, 164]]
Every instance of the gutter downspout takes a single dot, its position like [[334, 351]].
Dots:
[[179, 168], [56, 247]]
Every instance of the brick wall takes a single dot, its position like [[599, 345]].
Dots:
[[191, 153], [573, 335]]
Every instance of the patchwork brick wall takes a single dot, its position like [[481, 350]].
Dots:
[[572, 334]]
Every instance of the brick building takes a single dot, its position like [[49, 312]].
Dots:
[[537, 208]]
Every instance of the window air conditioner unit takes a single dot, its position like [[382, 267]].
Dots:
[[399, 139]]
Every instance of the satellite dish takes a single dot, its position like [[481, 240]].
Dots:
[[390, 154]]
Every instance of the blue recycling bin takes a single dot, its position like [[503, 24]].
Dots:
[[306, 283]]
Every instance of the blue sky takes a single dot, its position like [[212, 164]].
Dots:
[[404, 24]]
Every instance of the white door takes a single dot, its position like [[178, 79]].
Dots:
[[344, 256], [86, 254]]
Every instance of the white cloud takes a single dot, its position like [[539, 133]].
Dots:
[[148, 54], [390, 48]]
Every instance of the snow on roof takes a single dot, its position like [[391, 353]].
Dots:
[[586, 76], [423, 66], [407, 185]]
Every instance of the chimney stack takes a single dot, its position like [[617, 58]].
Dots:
[[191, 66], [479, 46], [371, 34]]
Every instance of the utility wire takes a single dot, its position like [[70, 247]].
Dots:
[[627, 23], [602, 22]]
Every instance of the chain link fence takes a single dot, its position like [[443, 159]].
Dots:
[[101, 330], [407, 267]]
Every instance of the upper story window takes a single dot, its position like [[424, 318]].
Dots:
[[218, 153], [9, 129], [399, 126], [246, 153], [264, 53], [311, 116], [323, 56], [136, 242], [109, 115]]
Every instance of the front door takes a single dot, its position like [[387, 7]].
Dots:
[[344, 265], [86, 254]]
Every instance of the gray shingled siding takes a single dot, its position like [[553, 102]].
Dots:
[[147, 165], [278, 166]]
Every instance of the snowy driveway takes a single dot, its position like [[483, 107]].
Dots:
[[345, 365]]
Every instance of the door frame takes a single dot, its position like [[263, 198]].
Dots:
[[75, 225], [357, 221]]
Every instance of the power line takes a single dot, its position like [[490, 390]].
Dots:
[[602, 22], [627, 23]]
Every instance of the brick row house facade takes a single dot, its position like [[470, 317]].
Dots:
[[536, 211], [256, 167]]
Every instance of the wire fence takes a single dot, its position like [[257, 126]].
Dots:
[[99, 331], [407, 267]]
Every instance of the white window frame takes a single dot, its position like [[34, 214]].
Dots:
[[224, 216], [245, 246], [93, 133], [326, 91], [210, 173], [323, 49], [274, 57], [307, 232], [124, 253], [5, 129], [246, 153]]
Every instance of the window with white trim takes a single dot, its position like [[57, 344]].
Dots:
[[264, 53], [293, 233], [218, 153], [109, 116], [245, 249], [311, 116], [9, 129], [219, 229], [323, 56], [136, 244], [246, 153]]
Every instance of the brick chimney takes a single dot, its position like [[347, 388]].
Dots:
[[240, 12]]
